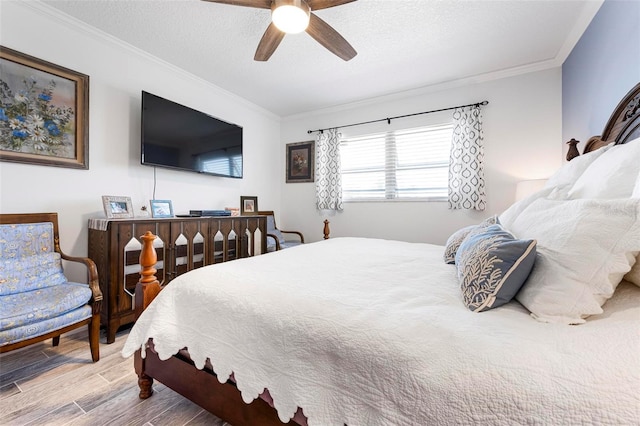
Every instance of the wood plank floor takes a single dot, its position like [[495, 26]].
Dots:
[[46, 385]]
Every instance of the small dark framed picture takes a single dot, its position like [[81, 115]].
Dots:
[[300, 161], [116, 207], [248, 205], [161, 208]]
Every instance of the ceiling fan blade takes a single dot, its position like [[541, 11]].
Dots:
[[268, 43], [325, 4], [261, 4], [324, 34]]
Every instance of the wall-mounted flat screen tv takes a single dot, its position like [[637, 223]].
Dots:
[[181, 138]]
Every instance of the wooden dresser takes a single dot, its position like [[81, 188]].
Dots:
[[183, 244]]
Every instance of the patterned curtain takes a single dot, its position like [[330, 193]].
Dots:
[[466, 168], [328, 178]]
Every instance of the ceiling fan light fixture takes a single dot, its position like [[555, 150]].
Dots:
[[290, 16]]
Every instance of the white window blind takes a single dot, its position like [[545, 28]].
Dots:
[[400, 164], [225, 165]]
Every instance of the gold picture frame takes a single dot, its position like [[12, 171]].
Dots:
[[44, 112]]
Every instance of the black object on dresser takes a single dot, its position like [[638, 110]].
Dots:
[[183, 244], [210, 212]]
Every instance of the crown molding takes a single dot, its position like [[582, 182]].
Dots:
[[101, 36], [446, 85], [588, 13], [580, 26]]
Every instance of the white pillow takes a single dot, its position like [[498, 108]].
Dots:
[[508, 216], [612, 175], [584, 249], [571, 171], [633, 276]]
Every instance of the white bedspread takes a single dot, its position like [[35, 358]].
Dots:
[[373, 332]]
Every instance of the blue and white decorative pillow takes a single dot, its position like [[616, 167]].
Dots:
[[454, 241], [492, 267]]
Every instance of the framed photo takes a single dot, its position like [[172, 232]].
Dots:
[[248, 205], [44, 112], [300, 161], [161, 208], [117, 207]]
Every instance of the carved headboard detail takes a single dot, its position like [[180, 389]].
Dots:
[[622, 127]]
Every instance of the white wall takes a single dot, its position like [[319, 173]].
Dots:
[[522, 130], [118, 73]]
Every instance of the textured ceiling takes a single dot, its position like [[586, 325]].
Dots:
[[401, 44]]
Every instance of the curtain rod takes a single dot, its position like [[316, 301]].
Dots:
[[388, 119]]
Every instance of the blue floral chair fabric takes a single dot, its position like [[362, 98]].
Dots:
[[36, 299], [275, 238]]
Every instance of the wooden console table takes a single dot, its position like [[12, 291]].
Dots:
[[183, 244]]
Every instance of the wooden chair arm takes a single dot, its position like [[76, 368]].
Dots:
[[276, 240], [94, 284], [294, 232]]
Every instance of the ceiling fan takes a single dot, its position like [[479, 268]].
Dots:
[[294, 16]]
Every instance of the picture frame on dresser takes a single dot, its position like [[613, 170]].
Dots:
[[161, 208], [55, 131], [117, 207], [248, 205]]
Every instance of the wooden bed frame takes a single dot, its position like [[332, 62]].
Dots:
[[224, 400], [622, 127]]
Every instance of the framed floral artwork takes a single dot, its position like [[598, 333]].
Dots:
[[300, 161], [44, 112]]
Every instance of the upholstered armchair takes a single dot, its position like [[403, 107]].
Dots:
[[275, 238], [37, 301]]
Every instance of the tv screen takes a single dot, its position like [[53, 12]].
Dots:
[[181, 138]]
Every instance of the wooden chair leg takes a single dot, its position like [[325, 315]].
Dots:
[[94, 337], [56, 340]]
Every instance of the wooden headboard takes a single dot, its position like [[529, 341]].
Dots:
[[622, 127]]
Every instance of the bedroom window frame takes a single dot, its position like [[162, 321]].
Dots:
[[415, 142]]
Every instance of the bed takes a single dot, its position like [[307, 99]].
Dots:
[[373, 332]]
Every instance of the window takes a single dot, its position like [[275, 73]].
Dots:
[[402, 165]]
